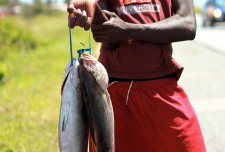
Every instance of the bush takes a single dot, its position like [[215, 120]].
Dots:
[[14, 38], [37, 8], [2, 70], [4, 2]]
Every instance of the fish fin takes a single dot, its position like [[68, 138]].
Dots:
[[63, 125], [65, 121], [64, 82]]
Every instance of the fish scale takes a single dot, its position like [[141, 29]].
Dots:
[[86, 104], [98, 104], [73, 125]]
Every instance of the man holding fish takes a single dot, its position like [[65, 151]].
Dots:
[[152, 113]]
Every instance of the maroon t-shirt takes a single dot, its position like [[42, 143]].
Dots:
[[135, 59]]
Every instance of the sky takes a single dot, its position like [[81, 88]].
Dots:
[[197, 2], [30, 1]]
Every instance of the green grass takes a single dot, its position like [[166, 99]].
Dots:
[[198, 9], [30, 90]]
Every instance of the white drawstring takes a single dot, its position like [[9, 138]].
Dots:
[[112, 83], [128, 92]]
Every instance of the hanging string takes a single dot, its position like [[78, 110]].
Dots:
[[71, 49], [80, 51], [90, 41]]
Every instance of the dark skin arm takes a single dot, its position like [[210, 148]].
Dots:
[[179, 27]]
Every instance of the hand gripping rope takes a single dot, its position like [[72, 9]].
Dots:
[[80, 51]]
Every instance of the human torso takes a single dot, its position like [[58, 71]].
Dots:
[[137, 59]]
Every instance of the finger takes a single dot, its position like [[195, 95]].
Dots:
[[109, 14], [71, 20], [106, 14], [88, 24], [78, 17], [70, 7], [83, 19]]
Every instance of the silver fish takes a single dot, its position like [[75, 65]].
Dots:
[[73, 125], [97, 103]]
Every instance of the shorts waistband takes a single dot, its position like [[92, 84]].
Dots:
[[151, 83], [134, 80]]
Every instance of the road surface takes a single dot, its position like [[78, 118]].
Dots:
[[211, 37], [203, 79]]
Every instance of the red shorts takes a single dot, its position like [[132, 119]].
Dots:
[[158, 117]]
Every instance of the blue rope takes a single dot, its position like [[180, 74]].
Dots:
[[71, 49], [80, 51], [90, 41]]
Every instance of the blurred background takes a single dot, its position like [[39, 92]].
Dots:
[[34, 50]]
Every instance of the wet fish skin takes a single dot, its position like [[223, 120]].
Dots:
[[98, 105], [73, 125]]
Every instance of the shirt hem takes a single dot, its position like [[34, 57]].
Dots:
[[177, 69]]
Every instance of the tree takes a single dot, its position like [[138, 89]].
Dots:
[[9, 3], [4, 2], [49, 2], [38, 7], [13, 2]]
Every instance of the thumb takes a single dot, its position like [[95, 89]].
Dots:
[[71, 9], [109, 14]]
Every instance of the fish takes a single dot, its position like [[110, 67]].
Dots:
[[73, 121], [94, 82]]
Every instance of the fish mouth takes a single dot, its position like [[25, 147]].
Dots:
[[91, 69], [88, 62], [88, 57]]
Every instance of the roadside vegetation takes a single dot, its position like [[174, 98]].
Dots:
[[33, 54], [198, 9], [34, 50]]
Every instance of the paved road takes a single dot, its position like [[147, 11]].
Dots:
[[203, 80], [211, 37]]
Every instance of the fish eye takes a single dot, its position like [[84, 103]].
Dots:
[[93, 71]]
